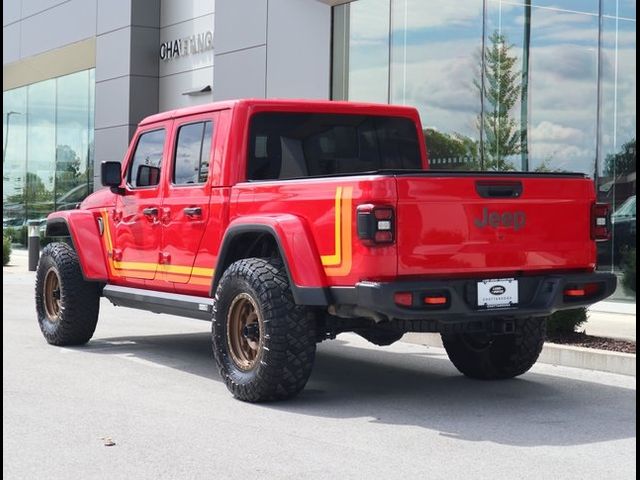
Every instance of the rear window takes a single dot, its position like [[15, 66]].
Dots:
[[291, 145]]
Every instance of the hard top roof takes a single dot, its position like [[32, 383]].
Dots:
[[284, 104]]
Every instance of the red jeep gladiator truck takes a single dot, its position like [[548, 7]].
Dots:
[[289, 222]]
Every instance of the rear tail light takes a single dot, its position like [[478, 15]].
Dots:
[[435, 300], [376, 224], [600, 222]]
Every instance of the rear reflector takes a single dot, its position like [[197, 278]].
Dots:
[[437, 300], [404, 299], [587, 290], [575, 292]]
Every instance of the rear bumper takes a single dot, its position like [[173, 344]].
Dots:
[[539, 296]]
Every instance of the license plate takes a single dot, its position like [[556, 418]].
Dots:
[[498, 293]]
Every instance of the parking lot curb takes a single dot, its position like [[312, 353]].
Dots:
[[560, 355], [589, 359]]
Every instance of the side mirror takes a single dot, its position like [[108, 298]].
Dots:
[[148, 176], [111, 175]]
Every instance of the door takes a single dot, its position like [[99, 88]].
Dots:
[[185, 208], [137, 234]]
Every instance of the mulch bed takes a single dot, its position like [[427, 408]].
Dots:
[[581, 339]]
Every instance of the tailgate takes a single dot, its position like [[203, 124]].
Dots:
[[467, 224]]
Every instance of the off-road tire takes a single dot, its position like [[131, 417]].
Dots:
[[77, 301], [287, 338], [500, 356]]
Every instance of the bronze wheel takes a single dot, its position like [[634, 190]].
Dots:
[[66, 304], [51, 295], [264, 344], [244, 331]]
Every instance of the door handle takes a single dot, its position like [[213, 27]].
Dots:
[[150, 212], [193, 211]]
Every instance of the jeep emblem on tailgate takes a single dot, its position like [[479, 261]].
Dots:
[[515, 220]]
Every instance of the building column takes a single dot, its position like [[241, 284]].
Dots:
[[126, 74]]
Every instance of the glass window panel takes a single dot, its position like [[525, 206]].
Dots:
[[148, 152], [49, 146], [14, 155], [435, 66], [368, 60], [192, 153], [41, 148], [72, 139], [554, 101], [617, 156]]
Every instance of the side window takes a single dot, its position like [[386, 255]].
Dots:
[[193, 152], [147, 160]]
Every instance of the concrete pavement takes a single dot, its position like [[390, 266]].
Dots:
[[149, 383]]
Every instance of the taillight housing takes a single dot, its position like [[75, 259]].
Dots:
[[376, 224], [600, 222]]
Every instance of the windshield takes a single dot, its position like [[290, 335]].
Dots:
[[293, 145]]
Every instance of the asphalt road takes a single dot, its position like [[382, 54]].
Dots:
[[148, 382]]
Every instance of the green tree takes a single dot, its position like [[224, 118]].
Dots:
[[501, 92], [451, 151], [621, 163]]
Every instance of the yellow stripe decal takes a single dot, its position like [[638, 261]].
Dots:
[[337, 264], [176, 272], [344, 266]]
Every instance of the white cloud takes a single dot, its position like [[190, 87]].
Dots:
[[547, 131]]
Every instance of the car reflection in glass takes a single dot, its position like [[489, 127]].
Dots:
[[623, 227]]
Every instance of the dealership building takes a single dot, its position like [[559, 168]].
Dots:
[[542, 85]]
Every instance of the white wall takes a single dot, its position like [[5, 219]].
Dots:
[[272, 48]]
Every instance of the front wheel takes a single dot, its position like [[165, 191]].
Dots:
[[67, 305], [492, 357], [264, 344]]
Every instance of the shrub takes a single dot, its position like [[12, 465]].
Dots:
[[6, 250], [9, 232], [629, 271], [566, 321], [16, 235]]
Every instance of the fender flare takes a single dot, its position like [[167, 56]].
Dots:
[[294, 241], [82, 227]]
